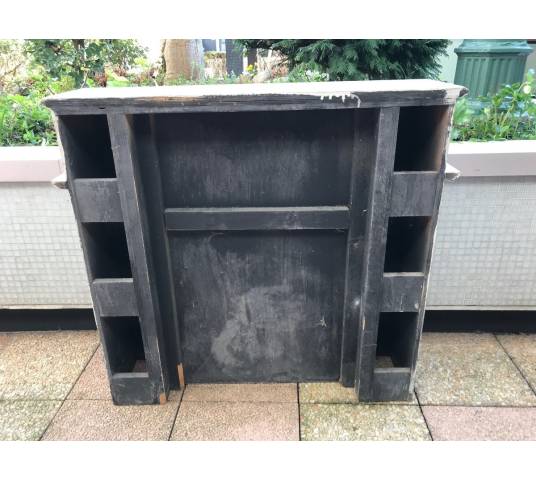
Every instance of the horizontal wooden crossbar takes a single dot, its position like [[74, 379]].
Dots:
[[402, 292], [98, 200], [391, 384], [413, 194], [115, 297], [257, 218]]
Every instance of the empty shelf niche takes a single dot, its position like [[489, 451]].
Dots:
[[86, 140], [407, 244], [107, 250], [396, 341], [421, 138], [124, 344]]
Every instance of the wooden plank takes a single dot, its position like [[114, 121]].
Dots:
[[115, 297], [273, 300], [376, 238], [150, 171], [271, 96], [363, 160], [413, 194], [136, 227], [98, 199], [134, 389], [402, 292], [257, 218], [391, 384], [249, 159]]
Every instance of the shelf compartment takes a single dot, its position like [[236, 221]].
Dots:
[[106, 245], [98, 200], [86, 139], [407, 244], [402, 292], [421, 138], [413, 194], [124, 345], [391, 384], [397, 335], [115, 297]]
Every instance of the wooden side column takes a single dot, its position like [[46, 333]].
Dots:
[[374, 254], [139, 248], [363, 162]]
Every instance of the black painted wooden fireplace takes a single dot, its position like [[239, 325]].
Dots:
[[258, 233]]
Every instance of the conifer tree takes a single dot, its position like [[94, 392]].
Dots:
[[360, 59]]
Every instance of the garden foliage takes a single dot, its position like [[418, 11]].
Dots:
[[510, 114], [360, 59]]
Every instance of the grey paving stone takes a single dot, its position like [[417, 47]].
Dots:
[[362, 422], [242, 392], [220, 421], [334, 392], [93, 384], [481, 423], [25, 419], [43, 365], [102, 420], [468, 369], [522, 349]]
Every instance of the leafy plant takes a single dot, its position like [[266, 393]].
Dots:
[[510, 114], [24, 121], [12, 62], [360, 59], [84, 61]]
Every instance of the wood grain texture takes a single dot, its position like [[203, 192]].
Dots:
[[137, 234], [257, 218], [98, 199], [115, 297], [402, 292], [413, 194], [259, 306], [363, 164], [376, 237], [270, 96]]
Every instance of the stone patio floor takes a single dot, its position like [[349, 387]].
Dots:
[[469, 386]]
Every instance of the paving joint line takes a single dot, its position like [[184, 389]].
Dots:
[[299, 410], [423, 415], [176, 414], [69, 392], [515, 364]]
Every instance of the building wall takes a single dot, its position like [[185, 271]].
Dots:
[[485, 250], [41, 262]]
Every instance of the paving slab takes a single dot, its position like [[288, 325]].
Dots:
[[242, 392], [362, 422], [334, 392], [102, 420], [25, 419], [93, 384], [43, 365], [4, 338], [468, 369], [218, 421], [522, 349], [481, 423]]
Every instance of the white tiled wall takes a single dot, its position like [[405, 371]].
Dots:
[[41, 261], [485, 252]]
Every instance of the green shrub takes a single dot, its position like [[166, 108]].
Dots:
[[347, 59], [24, 121], [510, 114]]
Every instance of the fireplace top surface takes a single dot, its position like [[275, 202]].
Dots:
[[265, 96]]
